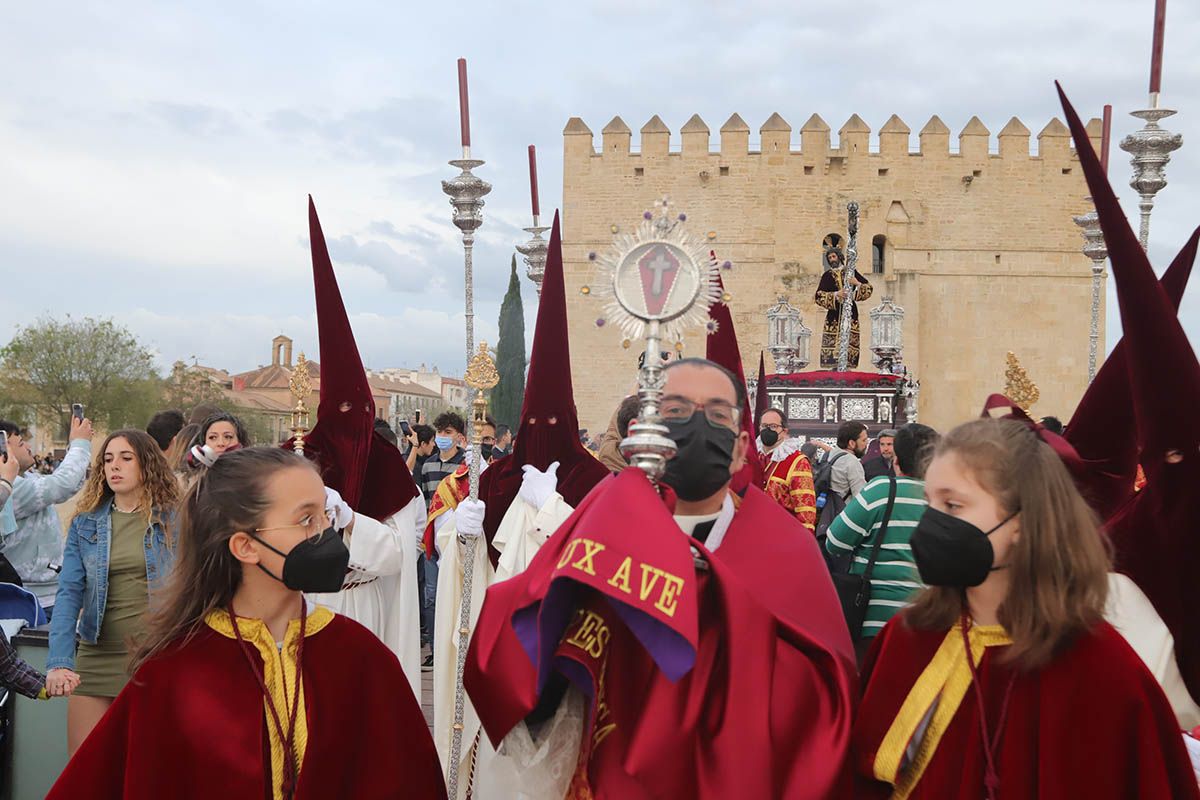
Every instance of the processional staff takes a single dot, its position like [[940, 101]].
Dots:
[[848, 288], [466, 196]]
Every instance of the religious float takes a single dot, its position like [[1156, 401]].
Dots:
[[818, 402]]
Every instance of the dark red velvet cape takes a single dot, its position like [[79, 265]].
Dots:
[[1094, 724], [191, 725], [1155, 532], [762, 710]]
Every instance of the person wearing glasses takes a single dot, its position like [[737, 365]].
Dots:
[[702, 406], [241, 687], [765, 607], [787, 474]]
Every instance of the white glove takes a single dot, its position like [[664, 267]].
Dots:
[[538, 487], [339, 512], [468, 518]]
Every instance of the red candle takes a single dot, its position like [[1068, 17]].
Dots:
[[1156, 53], [1106, 138], [533, 187], [464, 111]]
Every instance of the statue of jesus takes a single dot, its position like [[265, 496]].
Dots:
[[830, 296]]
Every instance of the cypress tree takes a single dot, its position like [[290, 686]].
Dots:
[[509, 394]]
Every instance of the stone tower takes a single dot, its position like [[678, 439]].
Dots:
[[978, 246]]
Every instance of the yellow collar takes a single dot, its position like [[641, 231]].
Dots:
[[945, 681], [279, 671]]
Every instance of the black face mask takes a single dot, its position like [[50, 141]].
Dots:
[[487, 451], [768, 437], [313, 567], [951, 551], [701, 463]]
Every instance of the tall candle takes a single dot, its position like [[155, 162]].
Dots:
[[1106, 138], [464, 111], [533, 186], [1156, 52]]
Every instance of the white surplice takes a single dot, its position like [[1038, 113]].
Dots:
[[1134, 617], [522, 531], [380, 590]]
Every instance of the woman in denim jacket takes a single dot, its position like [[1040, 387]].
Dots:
[[118, 552]]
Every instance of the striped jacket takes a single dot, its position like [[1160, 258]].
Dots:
[[895, 579], [788, 480]]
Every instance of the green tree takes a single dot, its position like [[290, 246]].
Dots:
[[51, 364], [509, 394]]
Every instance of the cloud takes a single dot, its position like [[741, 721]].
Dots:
[[157, 170]]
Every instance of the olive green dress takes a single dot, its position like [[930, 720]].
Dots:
[[102, 667]]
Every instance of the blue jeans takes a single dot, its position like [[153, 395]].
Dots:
[[430, 598]]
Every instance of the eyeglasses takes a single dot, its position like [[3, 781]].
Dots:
[[773, 426], [314, 527], [680, 409]]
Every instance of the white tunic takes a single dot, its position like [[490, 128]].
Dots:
[[380, 590], [522, 531], [1131, 613]]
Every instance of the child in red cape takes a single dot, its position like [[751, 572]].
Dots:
[[213, 708], [1003, 680]]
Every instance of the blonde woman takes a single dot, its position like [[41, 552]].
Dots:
[[117, 553]]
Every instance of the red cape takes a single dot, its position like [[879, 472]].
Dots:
[[1154, 533], [191, 725], [1093, 724], [671, 669]]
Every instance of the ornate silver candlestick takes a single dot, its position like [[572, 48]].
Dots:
[[1094, 248], [466, 196], [1151, 149], [533, 253]]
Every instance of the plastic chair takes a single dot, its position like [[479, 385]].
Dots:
[[17, 602]]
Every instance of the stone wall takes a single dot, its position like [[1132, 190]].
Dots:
[[980, 248]]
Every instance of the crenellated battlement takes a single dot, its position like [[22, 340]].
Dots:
[[854, 140]]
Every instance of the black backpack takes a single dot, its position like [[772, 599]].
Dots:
[[823, 476], [829, 503]]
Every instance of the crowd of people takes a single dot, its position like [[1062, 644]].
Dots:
[[910, 614]]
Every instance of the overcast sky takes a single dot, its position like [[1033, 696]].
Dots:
[[155, 158]]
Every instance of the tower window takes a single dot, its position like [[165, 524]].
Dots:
[[877, 254]]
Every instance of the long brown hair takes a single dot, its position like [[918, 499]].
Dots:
[[180, 445], [229, 496], [160, 490], [1058, 565]]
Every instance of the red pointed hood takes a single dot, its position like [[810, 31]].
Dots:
[[369, 473], [762, 400], [549, 427], [1164, 374], [722, 348], [1100, 430], [1153, 534]]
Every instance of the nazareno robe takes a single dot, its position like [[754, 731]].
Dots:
[[1092, 724], [191, 724], [826, 297], [735, 681]]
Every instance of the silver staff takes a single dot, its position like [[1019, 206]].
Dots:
[[1095, 249], [466, 196], [848, 272], [1150, 149]]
